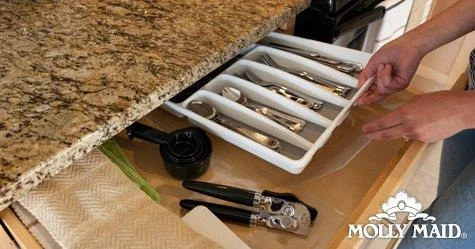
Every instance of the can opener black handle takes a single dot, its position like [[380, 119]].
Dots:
[[283, 211]]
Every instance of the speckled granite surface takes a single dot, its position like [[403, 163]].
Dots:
[[73, 73]]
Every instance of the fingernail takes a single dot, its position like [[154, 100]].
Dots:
[[360, 102], [364, 129]]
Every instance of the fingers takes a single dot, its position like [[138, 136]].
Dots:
[[388, 79], [388, 127], [370, 98], [386, 76], [369, 70], [388, 134], [381, 88], [386, 122], [376, 91], [383, 79]]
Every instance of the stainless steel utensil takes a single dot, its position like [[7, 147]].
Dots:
[[328, 84], [348, 67], [208, 111], [292, 95], [292, 123]]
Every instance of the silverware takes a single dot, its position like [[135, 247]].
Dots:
[[208, 111], [348, 67], [292, 123], [292, 95], [328, 84]]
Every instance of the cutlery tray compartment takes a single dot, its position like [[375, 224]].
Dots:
[[289, 60], [296, 148]]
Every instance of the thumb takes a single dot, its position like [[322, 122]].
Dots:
[[369, 71]]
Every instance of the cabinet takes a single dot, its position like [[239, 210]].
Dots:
[[439, 69]]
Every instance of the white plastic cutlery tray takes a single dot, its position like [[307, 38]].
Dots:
[[297, 149]]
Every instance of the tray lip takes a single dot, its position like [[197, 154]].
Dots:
[[294, 166], [361, 57]]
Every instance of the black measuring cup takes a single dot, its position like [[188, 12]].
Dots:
[[186, 153]]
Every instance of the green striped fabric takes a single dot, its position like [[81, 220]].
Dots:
[[112, 150]]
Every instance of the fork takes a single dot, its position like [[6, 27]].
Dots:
[[328, 84], [295, 96]]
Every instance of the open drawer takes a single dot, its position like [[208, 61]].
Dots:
[[345, 196], [288, 91], [338, 193]]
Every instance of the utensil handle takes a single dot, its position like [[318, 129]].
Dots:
[[290, 122], [357, 67], [327, 60], [147, 133], [223, 192], [296, 97], [341, 65], [221, 211], [300, 52], [345, 68], [316, 79], [254, 135]]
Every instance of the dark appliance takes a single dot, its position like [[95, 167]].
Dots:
[[340, 22]]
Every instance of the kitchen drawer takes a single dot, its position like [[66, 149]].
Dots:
[[346, 195], [14, 234], [337, 193]]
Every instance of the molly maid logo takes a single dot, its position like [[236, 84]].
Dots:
[[384, 224], [401, 202]]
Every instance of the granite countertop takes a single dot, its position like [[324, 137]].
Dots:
[[74, 73]]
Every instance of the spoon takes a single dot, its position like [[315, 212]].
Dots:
[[292, 123], [209, 112]]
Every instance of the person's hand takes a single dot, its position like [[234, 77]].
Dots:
[[427, 117], [393, 66]]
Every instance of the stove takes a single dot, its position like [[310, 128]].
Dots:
[[340, 22], [330, 6]]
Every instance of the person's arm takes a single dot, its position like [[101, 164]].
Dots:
[[396, 62], [457, 20], [427, 117]]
